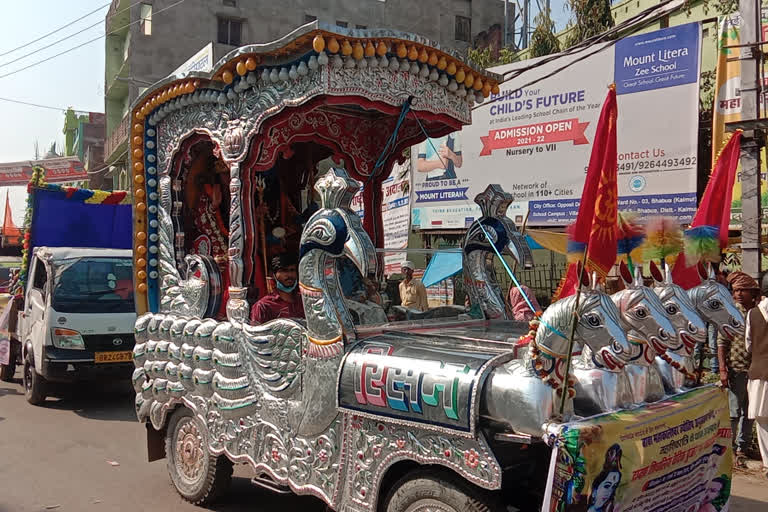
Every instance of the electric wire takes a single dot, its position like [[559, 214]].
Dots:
[[20, 102], [87, 42], [56, 30], [71, 36], [636, 22]]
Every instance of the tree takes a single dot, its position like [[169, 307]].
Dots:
[[543, 40], [592, 17], [485, 59]]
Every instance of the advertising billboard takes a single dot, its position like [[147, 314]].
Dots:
[[535, 140]]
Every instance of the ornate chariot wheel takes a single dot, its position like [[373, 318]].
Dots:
[[434, 490], [198, 476]]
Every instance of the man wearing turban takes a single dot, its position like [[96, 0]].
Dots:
[[735, 359]]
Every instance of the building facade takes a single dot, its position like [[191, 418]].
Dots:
[[84, 139], [147, 41]]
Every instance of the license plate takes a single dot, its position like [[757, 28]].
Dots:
[[113, 357]]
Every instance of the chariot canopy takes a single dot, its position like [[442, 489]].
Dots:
[[223, 162]]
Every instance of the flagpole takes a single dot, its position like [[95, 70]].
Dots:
[[572, 333]]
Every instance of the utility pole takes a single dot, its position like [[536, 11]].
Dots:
[[506, 22], [751, 142]]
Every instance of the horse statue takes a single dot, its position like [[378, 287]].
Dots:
[[530, 389], [649, 332], [479, 275], [601, 386], [715, 304], [676, 366]]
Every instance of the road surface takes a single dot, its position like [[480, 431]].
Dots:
[[60, 458]]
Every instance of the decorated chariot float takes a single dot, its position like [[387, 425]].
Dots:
[[430, 414]]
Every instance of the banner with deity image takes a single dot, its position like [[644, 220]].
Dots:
[[674, 455]]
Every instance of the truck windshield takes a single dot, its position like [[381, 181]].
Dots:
[[93, 285]]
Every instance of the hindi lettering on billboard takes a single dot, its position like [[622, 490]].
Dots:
[[395, 214], [728, 105], [535, 141]]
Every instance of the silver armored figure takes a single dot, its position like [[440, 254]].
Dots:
[[479, 275]]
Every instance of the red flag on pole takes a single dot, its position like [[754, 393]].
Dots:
[[714, 213], [596, 224], [11, 234]]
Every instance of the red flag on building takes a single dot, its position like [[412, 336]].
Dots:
[[596, 224], [11, 234], [714, 213]]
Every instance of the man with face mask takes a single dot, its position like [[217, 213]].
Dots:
[[285, 301]]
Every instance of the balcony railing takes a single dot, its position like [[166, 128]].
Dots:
[[118, 136]]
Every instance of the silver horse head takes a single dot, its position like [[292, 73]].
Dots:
[[680, 310], [599, 328], [715, 304], [479, 251], [643, 315]]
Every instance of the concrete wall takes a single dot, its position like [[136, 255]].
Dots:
[[182, 30]]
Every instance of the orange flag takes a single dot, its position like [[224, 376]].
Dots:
[[10, 233]]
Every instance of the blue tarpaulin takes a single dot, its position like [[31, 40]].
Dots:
[[62, 222], [442, 266]]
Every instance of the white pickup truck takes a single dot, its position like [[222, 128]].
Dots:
[[76, 320]]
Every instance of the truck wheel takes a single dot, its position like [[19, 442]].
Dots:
[[34, 384], [198, 476], [425, 490]]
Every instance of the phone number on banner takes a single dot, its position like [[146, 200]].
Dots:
[[668, 163]]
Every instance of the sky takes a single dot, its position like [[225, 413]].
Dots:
[[75, 79]]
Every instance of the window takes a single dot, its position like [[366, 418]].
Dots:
[[361, 27], [230, 3], [93, 285], [41, 277], [342, 24], [146, 19], [230, 31], [308, 18], [463, 29]]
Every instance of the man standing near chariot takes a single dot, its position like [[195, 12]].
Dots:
[[734, 359]]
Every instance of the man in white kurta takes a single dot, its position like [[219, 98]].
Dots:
[[757, 386]]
